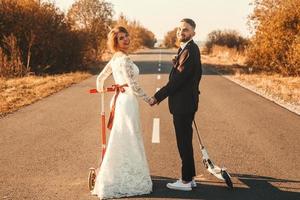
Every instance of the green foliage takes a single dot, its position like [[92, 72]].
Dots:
[[276, 44]]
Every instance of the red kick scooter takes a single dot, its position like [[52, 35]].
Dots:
[[93, 172]]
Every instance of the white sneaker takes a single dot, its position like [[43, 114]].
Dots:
[[193, 183], [179, 185]]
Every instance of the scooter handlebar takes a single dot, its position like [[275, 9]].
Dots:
[[94, 91]]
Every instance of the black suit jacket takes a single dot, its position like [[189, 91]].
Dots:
[[183, 86]]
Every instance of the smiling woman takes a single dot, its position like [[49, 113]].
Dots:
[[124, 169], [118, 39]]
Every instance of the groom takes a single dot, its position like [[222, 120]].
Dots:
[[183, 92]]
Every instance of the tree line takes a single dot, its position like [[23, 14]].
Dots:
[[39, 38], [275, 44]]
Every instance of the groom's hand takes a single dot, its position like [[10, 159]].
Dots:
[[153, 101]]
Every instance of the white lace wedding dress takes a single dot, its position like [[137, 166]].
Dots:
[[124, 170]]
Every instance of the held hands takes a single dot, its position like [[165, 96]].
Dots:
[[153, 101]]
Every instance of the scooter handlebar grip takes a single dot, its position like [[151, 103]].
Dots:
[[93, 91]]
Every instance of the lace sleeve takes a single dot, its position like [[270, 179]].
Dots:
[[127, 70], [106, 72]]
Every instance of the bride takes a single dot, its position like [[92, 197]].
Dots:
[[124, 170]]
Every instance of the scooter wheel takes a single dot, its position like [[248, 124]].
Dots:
[[227, 179], [92, 178]]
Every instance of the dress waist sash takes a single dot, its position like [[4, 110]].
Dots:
[[117, 89]]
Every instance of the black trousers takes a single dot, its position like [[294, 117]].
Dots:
[[184, 137]]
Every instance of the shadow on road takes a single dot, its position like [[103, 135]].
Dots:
[[257, 187]]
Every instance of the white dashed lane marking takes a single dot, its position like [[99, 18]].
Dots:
[[155, 131]]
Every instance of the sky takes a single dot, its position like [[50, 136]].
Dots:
[[161, 16]]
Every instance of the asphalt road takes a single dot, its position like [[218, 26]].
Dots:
[[47, 148]]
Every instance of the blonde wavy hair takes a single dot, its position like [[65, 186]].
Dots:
[[112, 38]]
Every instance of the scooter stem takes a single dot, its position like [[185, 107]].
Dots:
[[198, 136]]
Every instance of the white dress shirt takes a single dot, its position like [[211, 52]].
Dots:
[[183, 45]]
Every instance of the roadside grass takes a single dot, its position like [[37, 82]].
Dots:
[[18, 92], [286, 90]]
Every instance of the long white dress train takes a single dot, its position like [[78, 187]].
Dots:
[[124, 170]]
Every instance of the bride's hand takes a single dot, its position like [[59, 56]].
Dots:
[[100, 90]]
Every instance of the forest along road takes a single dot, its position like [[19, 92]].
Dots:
[[47, 148]]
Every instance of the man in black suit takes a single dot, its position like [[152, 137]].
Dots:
[[183, 92]]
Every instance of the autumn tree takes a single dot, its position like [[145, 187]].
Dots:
[[225, 38], [43, 36], [149, 39], [10, 61], [170, 39], [140, 36], [37, 36], [93, 18], [275, 45]]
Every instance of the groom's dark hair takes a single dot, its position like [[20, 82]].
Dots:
[[189, 21]]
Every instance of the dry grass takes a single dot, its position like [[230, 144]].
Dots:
[[18, 92], [285, 90], [228, 56]]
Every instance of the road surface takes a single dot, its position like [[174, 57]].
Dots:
[[46, 148]]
